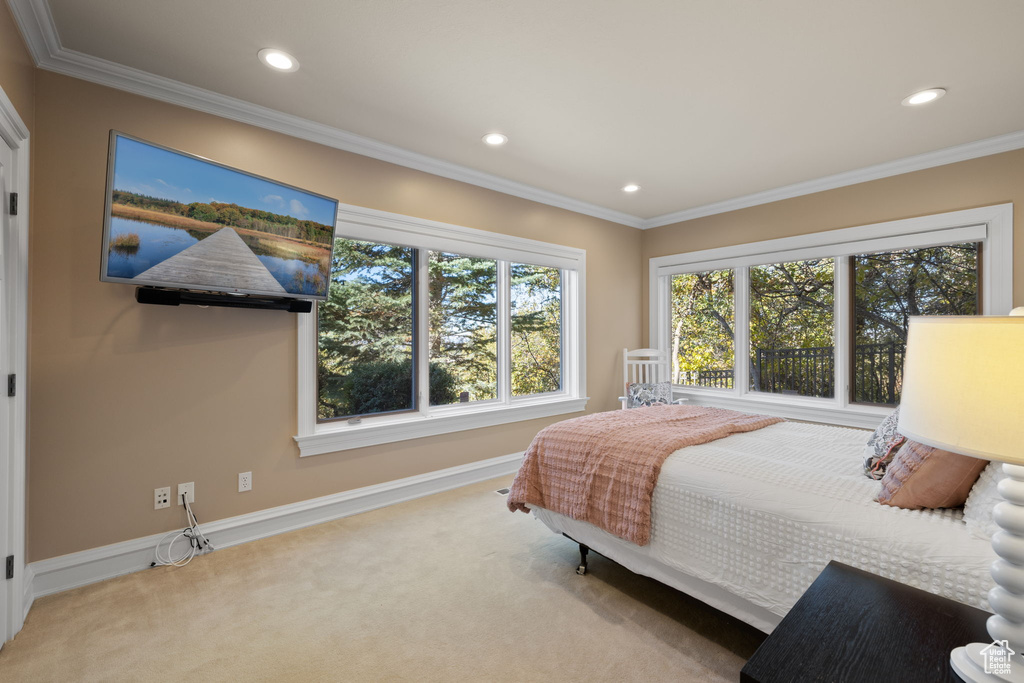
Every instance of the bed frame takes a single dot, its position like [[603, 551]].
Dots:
[[589, 540], [584, 551]]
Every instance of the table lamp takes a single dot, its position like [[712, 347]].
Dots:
[[963, 391]]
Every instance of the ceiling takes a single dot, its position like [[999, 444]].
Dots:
[[697, 101]]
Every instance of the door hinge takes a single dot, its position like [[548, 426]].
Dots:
[[10, 566], [12, 384], [14, 204]]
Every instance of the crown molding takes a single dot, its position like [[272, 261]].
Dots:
[[40, 33], [37, 27], [919, 162]]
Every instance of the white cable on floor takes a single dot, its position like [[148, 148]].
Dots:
[[197, 542]]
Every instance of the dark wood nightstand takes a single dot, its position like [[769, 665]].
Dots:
[[852, 625]]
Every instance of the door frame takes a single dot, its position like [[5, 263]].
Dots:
[[15, 134]]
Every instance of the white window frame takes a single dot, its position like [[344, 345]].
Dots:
[[990, 225], [360, 223]]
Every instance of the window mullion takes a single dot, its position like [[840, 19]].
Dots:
[[504, 332], [662, 338], [421, 344], [307, 370], [741, 330], [567, 343], [842, 329], [570, 333]]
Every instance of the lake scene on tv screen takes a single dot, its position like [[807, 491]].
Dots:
[[184, 222]]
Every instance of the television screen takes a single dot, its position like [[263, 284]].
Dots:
[[180, 221]]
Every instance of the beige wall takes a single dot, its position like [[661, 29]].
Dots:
[[126, 398], [969, 184], [17, 72]]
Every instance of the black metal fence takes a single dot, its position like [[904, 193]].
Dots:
[[719, 379], [877, 372], [807, 372]]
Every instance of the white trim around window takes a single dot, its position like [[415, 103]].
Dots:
[[379, 226], [990, 225]]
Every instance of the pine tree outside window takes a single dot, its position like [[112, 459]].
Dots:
[[439, 328], [464, 326]]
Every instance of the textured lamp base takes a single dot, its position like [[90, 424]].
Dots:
[[1006, 626], [969, 663]]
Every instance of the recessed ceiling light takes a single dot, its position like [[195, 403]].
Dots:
[[923, 97], [632, 187], [495, 139], [275, 59]]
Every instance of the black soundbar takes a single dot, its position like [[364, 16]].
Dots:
[[177, 297]]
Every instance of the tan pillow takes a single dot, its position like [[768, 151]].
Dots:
[[924, 477]]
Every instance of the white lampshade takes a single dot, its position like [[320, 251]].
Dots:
[[963, 385]]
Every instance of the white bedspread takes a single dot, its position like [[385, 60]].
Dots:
[[761, 514]]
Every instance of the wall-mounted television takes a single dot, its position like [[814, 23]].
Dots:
[[176, 220]]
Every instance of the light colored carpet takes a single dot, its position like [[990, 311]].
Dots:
[[451, 587]]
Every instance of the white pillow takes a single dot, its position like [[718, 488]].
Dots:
[[981, 500]]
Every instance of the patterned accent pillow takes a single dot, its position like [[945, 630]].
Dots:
[[640, 394], [924, 477], [880, 441], [981, 501], [875, 466]]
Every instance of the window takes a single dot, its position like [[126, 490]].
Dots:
[[791, 328], [536, 329], [431, 328], [703, 312], [821, 319], [889, 287], [365, 330], [463, 328]]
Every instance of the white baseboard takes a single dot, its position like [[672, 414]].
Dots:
[[97, 564]]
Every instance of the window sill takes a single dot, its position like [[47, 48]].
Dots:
[[825, 410], [333, 437]]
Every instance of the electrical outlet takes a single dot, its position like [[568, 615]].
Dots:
[[189, 489], [244, 481], [162, 498]]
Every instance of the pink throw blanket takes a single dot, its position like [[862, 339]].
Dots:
[[602, 468]]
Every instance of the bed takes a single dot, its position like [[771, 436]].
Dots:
[[745, 523]]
